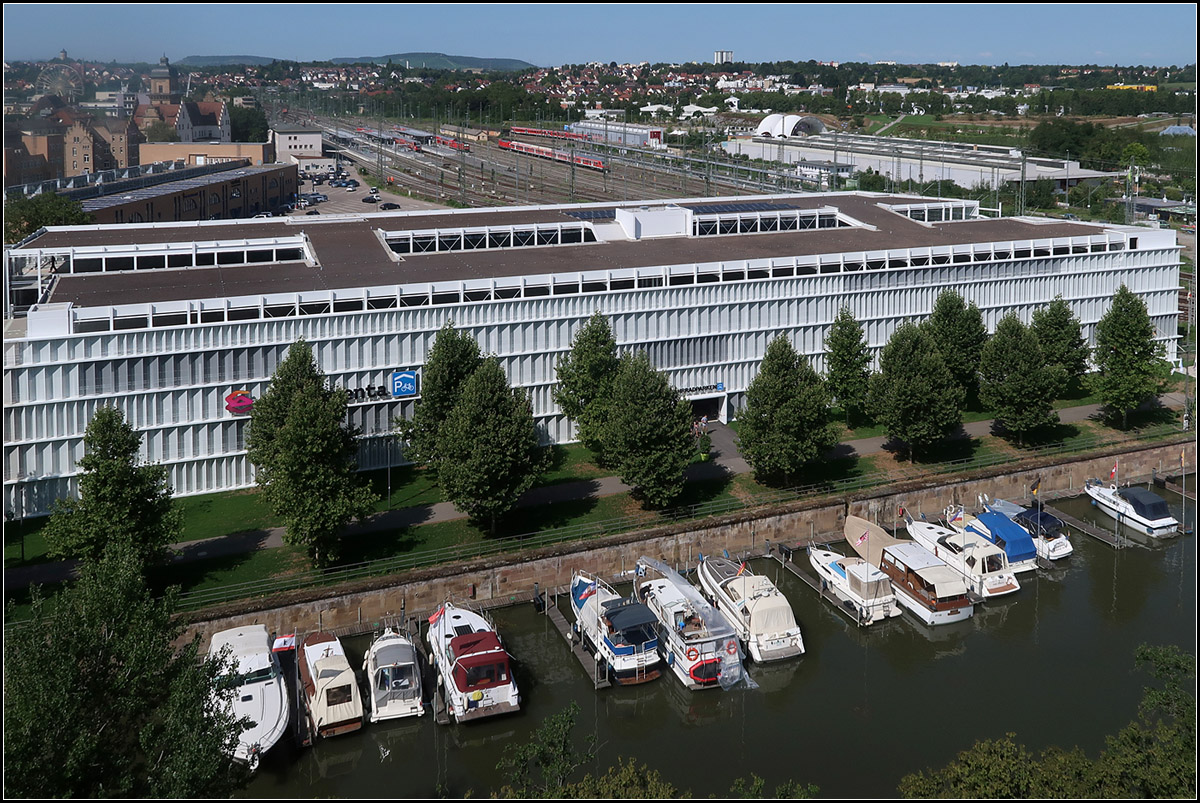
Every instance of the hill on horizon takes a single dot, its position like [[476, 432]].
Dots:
[[434, 61]]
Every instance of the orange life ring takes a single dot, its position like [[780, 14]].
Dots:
[[731, 647], [692, 653]]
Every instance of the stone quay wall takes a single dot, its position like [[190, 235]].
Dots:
[[506, 579]]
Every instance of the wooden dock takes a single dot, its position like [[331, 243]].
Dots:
[[819, 587], [595, 669], [1109, 537]]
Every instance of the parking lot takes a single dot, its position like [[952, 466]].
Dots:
[[344, 201]]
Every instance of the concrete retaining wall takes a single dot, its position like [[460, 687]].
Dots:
[[506, 579]]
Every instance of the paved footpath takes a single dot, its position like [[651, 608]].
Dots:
[[725, 461]]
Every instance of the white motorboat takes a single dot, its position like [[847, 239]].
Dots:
[[1048, 532], [998, 529], [393, 676], [474, 671], [621, 632], [701, 647], [758, 611], [255, 690], [331, 692], [1137, 508], [981, 564], [861, 587], [922, 583]]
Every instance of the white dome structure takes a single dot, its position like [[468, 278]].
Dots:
[[788, 125]]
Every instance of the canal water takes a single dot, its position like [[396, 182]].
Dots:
[[1053, 664]]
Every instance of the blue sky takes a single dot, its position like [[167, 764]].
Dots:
[[549, 35]]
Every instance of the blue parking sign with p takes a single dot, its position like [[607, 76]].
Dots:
[[404, 383]]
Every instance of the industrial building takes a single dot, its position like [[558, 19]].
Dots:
[[793, 138], [182, 325]]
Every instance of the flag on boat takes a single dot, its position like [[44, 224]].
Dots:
[[958, 515], [741, 569], [587, 592], [1036, 484], [640, 570], [900, 513], [862, 538], [1113, 474], [923, 517], [437, 615], [1181, 463], [284, 643]]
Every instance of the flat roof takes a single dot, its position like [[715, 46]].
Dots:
[[350, 253]]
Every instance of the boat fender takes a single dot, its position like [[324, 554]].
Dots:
[[692, 653], [731, 647], [670, 659]]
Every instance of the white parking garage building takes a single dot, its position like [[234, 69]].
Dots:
[[182, 325]]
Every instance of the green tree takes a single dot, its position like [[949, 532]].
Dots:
[[585, 381], [785, 423], [247, 125], [753, 788], [159, 131], [98, 702], [120, 498], [24, 216], [624, 781], [541, 767], [959, 334], [489, 448], [848, 365], [451, 361], [1155, 755], [1061, 338], [649, 434], [1130, 364], [1152, 757], [914, 395], [1016, 382], [304, 453]]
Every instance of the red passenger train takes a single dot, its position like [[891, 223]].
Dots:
[[590, 162], [549, 133], [454, 144]]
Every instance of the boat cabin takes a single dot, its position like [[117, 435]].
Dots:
[[628, 623], [479, 661], [396, 669], [913, 569], [1148, 505]]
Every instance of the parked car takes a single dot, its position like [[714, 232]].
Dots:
[[313, 212], [389, 206], [371, 199], [351, 189]]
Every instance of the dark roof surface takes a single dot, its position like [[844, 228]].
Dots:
[[350, 253]]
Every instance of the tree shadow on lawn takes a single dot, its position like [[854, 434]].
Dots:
[[1048, 435], [957, 446]]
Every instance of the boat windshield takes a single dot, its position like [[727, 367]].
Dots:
[[338, 695], [395, 678], [482, 675], [260, 675]]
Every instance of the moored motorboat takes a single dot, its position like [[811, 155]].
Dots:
[[758, 611], [473, 668], [998, 529], [1048, 532], [922, 582], [861, 587], [620, 631], [1137, 508], [700, 646], [393, 677], [331, 693], [981, 564], [254, 689]]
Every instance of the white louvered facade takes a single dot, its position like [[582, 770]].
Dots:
[[706, 324]]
